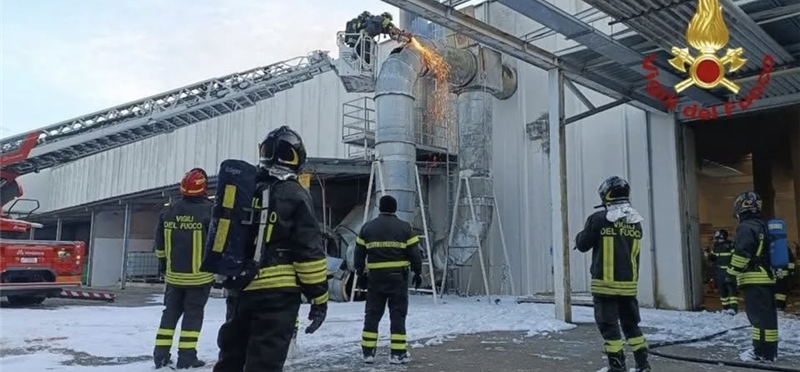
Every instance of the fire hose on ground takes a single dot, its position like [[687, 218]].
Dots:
[[762, 367]]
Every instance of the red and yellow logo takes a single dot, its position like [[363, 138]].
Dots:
[[707, 34]]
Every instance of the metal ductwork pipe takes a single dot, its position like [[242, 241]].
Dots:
[[394, 137], [394, 102], [474, 109]]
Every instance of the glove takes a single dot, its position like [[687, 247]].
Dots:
[[316, 316], [162, 266], [416, 281]]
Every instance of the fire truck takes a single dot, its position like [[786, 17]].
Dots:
[[31, 270]]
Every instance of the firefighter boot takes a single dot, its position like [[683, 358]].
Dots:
[[161, 357], [642, 365], [400, 357], [369, 354], [616, 362], [187, 363]]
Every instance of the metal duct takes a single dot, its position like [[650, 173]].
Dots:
[[394, 137], [394, 102], [474, 109]]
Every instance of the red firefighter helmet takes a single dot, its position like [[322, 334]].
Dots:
[[194, 182]]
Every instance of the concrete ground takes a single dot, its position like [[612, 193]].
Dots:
[[577, 350]]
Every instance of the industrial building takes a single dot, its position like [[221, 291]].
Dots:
[[518, 69]]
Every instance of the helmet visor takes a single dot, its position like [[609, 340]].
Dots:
[[266, 151]]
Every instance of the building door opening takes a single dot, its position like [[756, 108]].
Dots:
[[758, 152]]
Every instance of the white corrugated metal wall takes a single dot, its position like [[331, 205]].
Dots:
[[314, 108], [612, 142]]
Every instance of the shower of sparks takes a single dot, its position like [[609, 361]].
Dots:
[[439, 102]]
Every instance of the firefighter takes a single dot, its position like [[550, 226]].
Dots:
[[286, 259], [721, 257], [387, 246], [368, 27], [180, 234], [750, 263], [783, 283], [615, 237]]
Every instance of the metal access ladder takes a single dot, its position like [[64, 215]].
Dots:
[[357, 74], [377, 170], [359, 120], [131, 122]]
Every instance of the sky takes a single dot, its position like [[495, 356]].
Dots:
[[61, 59]]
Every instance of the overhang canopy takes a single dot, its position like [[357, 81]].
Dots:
[[760, 27]]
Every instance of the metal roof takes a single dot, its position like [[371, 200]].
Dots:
[[761, 27]]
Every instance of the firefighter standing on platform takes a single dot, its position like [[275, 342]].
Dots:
[[369, 27], [721, 257], [180, 234], [387, 246], [750, 263], [615, 237], [287, 260]]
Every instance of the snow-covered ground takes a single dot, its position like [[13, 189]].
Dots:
[[43, 340]]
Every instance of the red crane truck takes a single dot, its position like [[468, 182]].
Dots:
[[32, 270]]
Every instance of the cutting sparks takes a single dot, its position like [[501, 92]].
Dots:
[[439, 105]]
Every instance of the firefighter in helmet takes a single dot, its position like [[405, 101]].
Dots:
[[263, 304], [751, 265], [367, 27], [721, 257], [614, 235], [180, 234], [388, 247]]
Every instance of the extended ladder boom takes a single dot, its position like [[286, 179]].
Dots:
[[87, 135]]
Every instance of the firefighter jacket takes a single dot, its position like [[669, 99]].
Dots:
[[292, 258], [750, 262], [387, 244], [378, 25], [721, 254], [615, 256], [180, 234]]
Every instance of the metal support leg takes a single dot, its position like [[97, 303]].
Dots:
[[58, 228], [450, 236], [90, 246], [558, 197], [507, 263], [126, 232], [427, 239], [478, 241]]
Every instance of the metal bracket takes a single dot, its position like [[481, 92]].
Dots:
[[595, 110]]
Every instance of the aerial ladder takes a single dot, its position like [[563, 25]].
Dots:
[[84, 136]]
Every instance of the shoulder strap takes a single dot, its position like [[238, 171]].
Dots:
[[262, 222]]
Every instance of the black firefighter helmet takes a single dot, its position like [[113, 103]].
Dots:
[[746, 202], [614, 190], [720, 235], [283, 149]]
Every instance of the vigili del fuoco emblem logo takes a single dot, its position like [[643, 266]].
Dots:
[[705, 67]]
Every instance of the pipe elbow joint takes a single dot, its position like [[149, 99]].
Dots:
[[399, 73], [509, 82]]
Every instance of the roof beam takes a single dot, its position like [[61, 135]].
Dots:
[[566, 24], [522, 50], [766, 104], [776, 14]]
